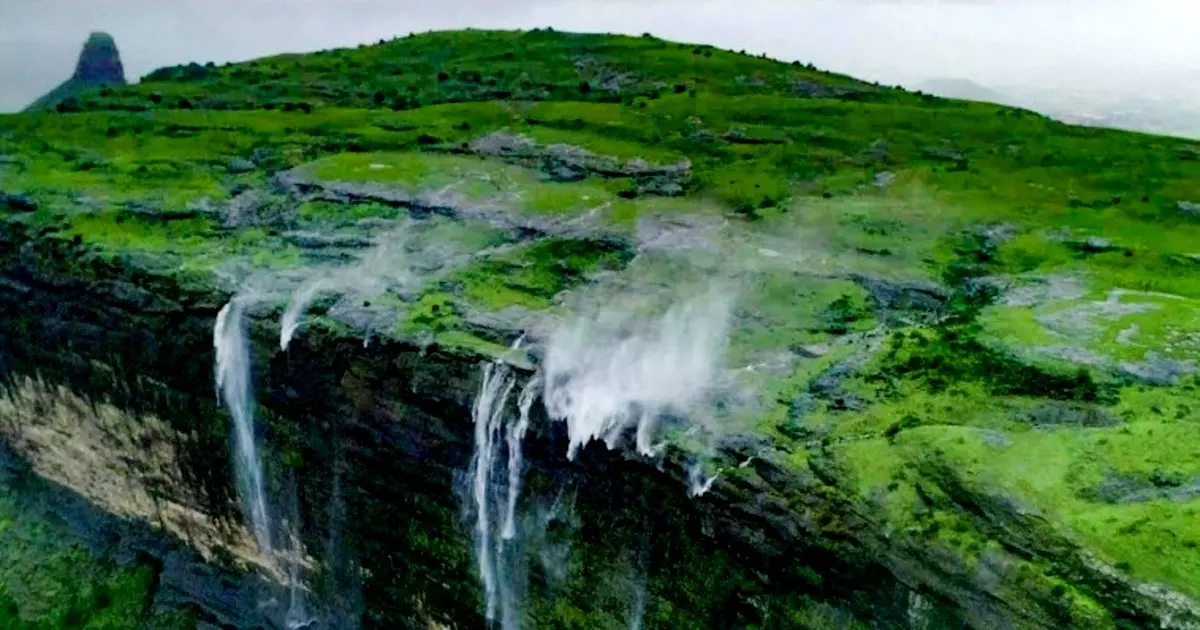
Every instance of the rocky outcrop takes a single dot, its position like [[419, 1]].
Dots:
[[564, 163], [99, 65], [99, 62]]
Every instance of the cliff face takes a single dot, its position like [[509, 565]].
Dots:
[[377, 441], [99, 65]]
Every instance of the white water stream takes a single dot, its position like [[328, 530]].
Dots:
[[234, 388]]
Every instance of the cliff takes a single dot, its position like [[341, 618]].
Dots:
[[863, 358]]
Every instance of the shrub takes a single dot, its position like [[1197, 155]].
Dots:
[[67, 105]]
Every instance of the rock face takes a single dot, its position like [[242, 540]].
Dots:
[[100, 62], [99, 65]]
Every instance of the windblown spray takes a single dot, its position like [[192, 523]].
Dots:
[[611, 372]]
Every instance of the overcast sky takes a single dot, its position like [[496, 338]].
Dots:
[[1105, 44]]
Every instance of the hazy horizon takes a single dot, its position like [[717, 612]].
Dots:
[[1101, 46]]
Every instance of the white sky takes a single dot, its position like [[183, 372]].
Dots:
[[1109, 45]]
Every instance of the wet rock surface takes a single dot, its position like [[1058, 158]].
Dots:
[[562, 162]]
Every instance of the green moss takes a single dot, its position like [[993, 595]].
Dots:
[[751, 189], [532, 275], [329, 212], [47, 581]]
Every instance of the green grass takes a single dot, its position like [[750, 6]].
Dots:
[[48, 582], [532, 275]]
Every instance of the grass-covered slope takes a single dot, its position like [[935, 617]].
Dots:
[[990, 321]]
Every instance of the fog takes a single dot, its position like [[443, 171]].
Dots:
[[1101, 45]]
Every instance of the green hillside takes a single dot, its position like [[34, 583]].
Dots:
[[986, 322]]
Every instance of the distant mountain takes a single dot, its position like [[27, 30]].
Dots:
[[962, 89], [99, 64]]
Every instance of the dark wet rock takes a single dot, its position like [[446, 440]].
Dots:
[[562, 162], [1157, 370], [943, 152], [830, 381], [892, 298], [739, 136], [602, 77], [877, 152], [1053, 413], [810, 89], [812, 351], [258, 208], [996, 234], [18, 202], [1125, 488], [314, 240], [847, 402], [240, 165], [1115, 487], [1094, 245], [153, 212]]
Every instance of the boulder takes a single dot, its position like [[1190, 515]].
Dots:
[[18, 202], [240, 165]]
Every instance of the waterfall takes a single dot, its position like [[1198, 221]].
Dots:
[[601, 376], [388, 265], [487, 413], [303, 297], [613, 371], [234, 388], [516, 436], [698, 484], [233, 384], [638, 611]]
